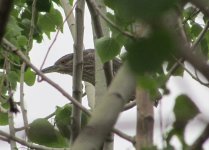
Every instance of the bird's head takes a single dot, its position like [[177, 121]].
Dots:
[[63, 65]]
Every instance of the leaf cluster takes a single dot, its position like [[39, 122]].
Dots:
[[47, 19], [42, 132]]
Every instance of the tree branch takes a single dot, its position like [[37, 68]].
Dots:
[[99, 33], [104, 117], [186, 52], [193, 76], [125, 136], [145, 119], [23, 66], [71, 24], [78, 68], [129, 105], [69, 16], [126, 33]]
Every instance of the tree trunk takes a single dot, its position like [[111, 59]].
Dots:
[[145, 119]]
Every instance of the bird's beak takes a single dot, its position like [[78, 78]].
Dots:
[[50, 69]]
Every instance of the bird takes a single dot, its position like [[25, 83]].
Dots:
[[64, 65]]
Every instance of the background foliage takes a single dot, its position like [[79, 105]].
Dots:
[[150, 57]]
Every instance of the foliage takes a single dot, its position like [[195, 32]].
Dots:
[[63, 119], [185, 110], [47, 19], [42, 132], [105, 43], [151, 53]]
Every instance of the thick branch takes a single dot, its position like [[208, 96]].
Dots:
[[78, 68], [104, 116], [71, 24], [99, 33], [145, 119], [69, 16]]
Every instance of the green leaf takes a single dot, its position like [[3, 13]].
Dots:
[[107, 48], [30, 77], [49, 22], [147, 82], [4, 120], [71, 2], [179, 71], [150, 85], [189, 12], [195, 30], [110, 3], [147, 54], [13, 78], [141, 9], [41, 5], [184, 110], [22, 41], [204, 47], [13, 28], [57, 2], [42, 132], [63, 119]]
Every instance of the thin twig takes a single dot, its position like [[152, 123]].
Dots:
[[22, 128], [190, 17], [55, 38], [195, 44], [184, 47], [202, 5], [125, 136], [126, 33], [129, 105], [23, 66], [10, 61], [193, 76], [199, 80]]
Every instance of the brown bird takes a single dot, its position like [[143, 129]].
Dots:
[[64, 65]]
